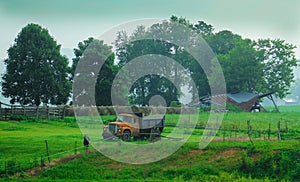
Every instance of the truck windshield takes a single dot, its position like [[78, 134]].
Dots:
[[125, 119]]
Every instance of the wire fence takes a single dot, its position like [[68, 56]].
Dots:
[[225, 134], [235, 133], [13, 166]]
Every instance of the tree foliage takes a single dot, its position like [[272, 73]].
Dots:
[[249, 66], [222, 42], [93, 85], [131, 47], [36, 71], [242, 67], [278, 63]]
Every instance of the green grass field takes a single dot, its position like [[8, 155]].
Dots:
[[24, 142], [285, 109], [231, 157]]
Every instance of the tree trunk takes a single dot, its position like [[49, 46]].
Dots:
[[271, 98]]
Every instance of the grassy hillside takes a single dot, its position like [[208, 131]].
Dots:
[[24, 142], [219, 162], [231, 156], [285, 109]]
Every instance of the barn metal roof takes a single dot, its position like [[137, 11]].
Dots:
[[242, 97]]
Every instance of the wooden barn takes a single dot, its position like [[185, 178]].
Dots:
[[243, 100]]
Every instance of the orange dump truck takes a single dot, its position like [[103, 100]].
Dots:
[[134, 125]]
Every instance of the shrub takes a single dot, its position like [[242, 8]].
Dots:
[[232, 108], [175, 104]]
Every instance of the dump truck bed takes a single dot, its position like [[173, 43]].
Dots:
[[152, 121]]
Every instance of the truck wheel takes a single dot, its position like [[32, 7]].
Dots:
[[126, 135]]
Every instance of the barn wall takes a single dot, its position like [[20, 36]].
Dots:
[[245, 106]]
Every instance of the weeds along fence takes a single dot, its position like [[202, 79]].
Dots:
[[17, 112], [236, 133], [40, 162]]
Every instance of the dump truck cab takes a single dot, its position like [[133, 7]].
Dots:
[[128, 125]]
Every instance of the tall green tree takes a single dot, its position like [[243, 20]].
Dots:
[[90, 53], [223, 41], [78, 52], [36, 72], [278, 63], [242, 67], [138, 44], [204, 29], [259, 67], [197, 73]]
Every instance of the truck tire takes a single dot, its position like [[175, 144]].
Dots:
[[126, 136]]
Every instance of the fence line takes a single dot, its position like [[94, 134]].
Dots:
[[17, 112], [17, 167], [17, 109], [12, 167]]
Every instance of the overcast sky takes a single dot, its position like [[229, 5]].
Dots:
[[72, 21]]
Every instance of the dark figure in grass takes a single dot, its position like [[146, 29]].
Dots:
[[86, 142]]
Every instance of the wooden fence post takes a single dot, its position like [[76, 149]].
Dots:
[[37, 112], [42, 162], [224, 134], [48, 113], [18, 167], [12, 110], [75, 148], [278, 131], [249, 131], [24, 112], [235, 132], [5, 168], [47, 150], [269, 131], [35, 162], [64, 112]]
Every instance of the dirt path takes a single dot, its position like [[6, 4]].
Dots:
[[34, 172]]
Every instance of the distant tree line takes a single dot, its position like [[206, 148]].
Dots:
[[37, 73]]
